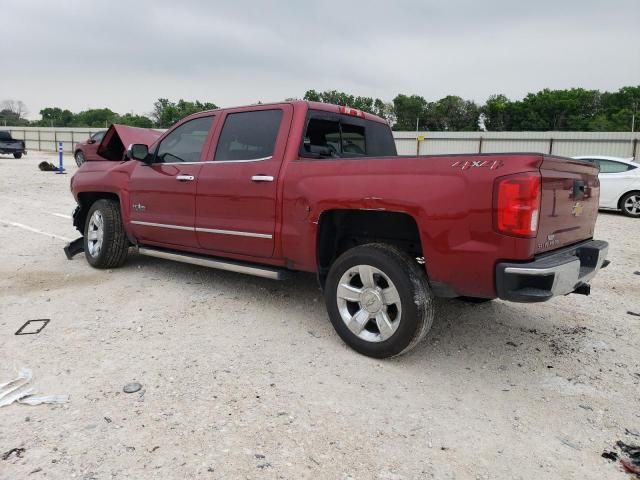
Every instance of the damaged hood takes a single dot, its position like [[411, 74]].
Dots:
[[118, 138]]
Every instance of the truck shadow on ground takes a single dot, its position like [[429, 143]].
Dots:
[[474, 333]]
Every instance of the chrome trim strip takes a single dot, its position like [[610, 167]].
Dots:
[[240, 161], [215, 161], [192, 259], [204, 230], [234, 232], [162, 225]]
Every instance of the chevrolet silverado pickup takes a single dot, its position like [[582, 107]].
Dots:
[[304, 186], [8, 144]]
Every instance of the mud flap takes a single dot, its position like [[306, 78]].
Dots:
[[74, 248]]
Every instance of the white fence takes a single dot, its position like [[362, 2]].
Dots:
[[569, 144], [618, 144], [47, 138]]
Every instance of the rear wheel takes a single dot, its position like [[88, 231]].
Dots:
[[630, 204], [105, 242], [79, 156], [17, 155], [378, 300]]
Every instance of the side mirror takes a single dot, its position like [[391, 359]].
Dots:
[[138, 151]]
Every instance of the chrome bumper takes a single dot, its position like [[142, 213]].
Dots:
[[558, 273]]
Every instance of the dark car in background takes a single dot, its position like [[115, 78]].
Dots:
[[87, 150], [10, 145]]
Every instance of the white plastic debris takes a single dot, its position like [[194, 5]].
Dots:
[[19, 390]]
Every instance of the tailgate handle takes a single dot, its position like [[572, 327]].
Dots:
[[578, 189]]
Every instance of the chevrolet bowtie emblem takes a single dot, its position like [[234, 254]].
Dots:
[[577, 209]]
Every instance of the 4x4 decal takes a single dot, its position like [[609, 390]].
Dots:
[[467, 164]]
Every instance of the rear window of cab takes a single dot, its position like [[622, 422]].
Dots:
[[332, 135]]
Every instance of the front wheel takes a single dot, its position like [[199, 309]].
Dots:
[[378, 300], [79, 156], [630, 204], [17, 155], [105, 242]]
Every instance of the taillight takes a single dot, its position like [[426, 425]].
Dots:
[[516, 204]]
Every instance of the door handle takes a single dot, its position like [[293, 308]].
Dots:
[[262, 178], [185, 178]]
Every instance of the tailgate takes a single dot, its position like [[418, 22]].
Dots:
[[11, 144], [569, 204]]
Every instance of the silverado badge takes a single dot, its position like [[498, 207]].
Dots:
[[138, 207]]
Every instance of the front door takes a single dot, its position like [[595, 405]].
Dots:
[[236, 198], [162, 194]]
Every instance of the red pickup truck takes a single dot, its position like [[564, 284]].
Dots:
[[271, 189]]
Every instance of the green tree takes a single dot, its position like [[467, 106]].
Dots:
[[453, 113], [547, 109], [134, 120], [10, 118], [367, 104], [165, 112], [54, 117], [408, 109], [497, 111], [94, 117]]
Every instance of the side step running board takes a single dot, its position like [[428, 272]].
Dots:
[[239, 267]]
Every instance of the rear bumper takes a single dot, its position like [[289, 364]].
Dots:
[[6, 150], [558, 273]]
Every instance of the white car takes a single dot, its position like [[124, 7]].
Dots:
[[619, 183]]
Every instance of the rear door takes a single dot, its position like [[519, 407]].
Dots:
[[163, 194], [237, 188], [569, 204]]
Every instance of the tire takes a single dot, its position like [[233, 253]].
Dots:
[[381, 324], [105, 242], [630, 204], [79, 156], [17, 155]]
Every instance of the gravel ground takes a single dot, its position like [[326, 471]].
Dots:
[[244, 377]]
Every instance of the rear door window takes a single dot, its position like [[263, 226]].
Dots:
[[248, 135], [340, 136], [611, 166]]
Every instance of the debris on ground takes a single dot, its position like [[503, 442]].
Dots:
[[629, 457], [132, 387], [635, 314], [19, 390], [47, 167], [32, 327], [16, 452], [631, 463]]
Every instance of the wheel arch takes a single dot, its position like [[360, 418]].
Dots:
[[636, 191], [342, 229], [85, 201]]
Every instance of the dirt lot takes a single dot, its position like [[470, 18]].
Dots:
[[245, 378]]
